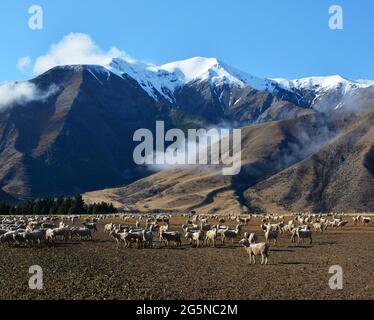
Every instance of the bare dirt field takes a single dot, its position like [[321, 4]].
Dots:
[[99, 270]]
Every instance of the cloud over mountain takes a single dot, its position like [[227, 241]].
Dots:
[[73, 49]]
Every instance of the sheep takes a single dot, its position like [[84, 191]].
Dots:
[[205, 227], [50, 235], [356, 220], [190, 229], [131, 236], [231, 234], [118, 237], [47, 225], [342, 224], [8, 237], [272, 235], [20, 237], [35, 236], [366, 220], [211, 236], [195, 237], [253, 249], [163, 228], [318, 227], [167, 237], [243, 221], [301, 234], [108, 228], [90, 225], [64, 233], [82, 233], [148, 238]]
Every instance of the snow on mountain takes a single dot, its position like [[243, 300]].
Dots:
[[162, 80], [323, 83], [328, 92]]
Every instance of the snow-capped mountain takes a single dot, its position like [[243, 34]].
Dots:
[[84, 128], [326, 93], [162, 82]]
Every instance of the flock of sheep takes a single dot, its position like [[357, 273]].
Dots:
[[198, 230]]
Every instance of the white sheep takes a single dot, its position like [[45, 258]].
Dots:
[[253, 249], [195, 237], [211, 237]]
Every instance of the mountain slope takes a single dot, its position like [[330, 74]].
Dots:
[[339, 177], [76, 136], [81, 137], [266, 149]]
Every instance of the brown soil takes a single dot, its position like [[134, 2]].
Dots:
[[99, 270]]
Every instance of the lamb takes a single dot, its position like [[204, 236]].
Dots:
[[253, 249]]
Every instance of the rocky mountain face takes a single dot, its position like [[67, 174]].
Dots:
[[77, 135]]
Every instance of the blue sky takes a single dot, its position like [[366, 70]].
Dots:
[[268, 38]]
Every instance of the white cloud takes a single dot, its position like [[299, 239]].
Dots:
[[76, 48], [22, 92], [23, 63]]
